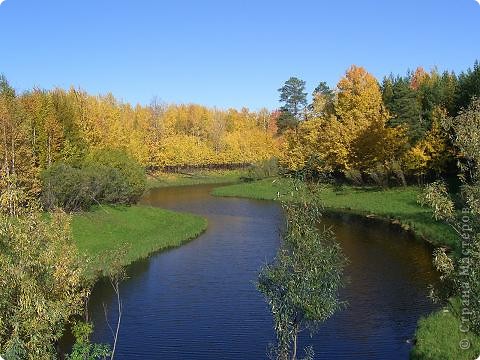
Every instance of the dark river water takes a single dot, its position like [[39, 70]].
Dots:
[[199, 301]]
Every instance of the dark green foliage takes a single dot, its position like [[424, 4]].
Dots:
[[323, 89], [401, 100], [263, 169], [293, 96], [66, 187], [109, 177], [323, 100], [430, 95], [131, 170], [449, 85], [414, 106], [83, 349], [387, 90], [286, 121], [468, 86], [75, 189], [5, 88]]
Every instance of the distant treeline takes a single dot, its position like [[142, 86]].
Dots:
[[42, 127]]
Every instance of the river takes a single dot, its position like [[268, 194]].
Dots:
[[199, 301]]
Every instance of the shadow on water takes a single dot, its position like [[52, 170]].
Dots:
[[199, 301]]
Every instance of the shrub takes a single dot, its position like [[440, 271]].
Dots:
[[108, 185], [379, 175], [354, 176], [109, 177], [129, 168], [66, 187], [313, 171], [397, 171], [263, 169], [84, 349], [42, 284]]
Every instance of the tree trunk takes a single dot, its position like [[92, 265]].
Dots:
[[294, 352], [116, 287]]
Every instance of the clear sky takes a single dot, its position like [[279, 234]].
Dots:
[[227, 53]]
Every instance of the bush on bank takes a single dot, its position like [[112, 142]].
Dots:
[[108, 177]]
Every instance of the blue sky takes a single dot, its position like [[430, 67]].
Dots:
[[228, 53]]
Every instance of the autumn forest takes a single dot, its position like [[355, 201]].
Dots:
[[75, 166], [362, 127]]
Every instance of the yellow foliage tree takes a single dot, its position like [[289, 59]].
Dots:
[[59, 125], [184, 150], [360, 109], [356, 137], [433, 151]]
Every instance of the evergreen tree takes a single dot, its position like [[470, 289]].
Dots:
[[294, 99], [468, 86], [293, 96], [401, 100]]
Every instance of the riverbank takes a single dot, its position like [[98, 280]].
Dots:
[[197, 177], [398, 205], [438, 335], [135, 231]]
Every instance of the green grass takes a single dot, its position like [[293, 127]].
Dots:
[[140, 230], [398, 204], [438, 338], [162, 179]]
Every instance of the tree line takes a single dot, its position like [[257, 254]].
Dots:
[[42, 127], [371, 131]]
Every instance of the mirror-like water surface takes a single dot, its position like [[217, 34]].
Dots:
[[199, 301]]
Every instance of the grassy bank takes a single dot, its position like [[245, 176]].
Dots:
[[438, 337], [163, 179], [140, 230], [399, 205]]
